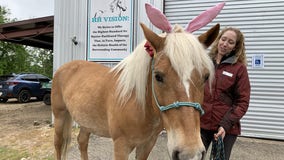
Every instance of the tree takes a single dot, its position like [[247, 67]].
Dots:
[[13, 58], [41, 61], [4, 13], [16, 58]]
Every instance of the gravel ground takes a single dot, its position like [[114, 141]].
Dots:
[[25, 127], [244, 149]]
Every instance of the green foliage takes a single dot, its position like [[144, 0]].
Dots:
[[15, 58], [18, 58], [4, 13], [41, 61], [12, 154]]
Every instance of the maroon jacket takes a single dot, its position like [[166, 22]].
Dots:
[[228, 100]]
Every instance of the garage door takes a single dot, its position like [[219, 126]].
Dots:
[[262, 22]]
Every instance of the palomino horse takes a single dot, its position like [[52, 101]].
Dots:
[[129, 102]]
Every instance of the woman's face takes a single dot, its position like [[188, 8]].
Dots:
[[227, 43]]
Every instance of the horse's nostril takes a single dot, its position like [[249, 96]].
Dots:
[[175, 155]]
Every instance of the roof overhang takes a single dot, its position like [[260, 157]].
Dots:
[[36, 32]]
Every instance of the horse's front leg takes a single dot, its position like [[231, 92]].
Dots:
[[122, 149], [83, 141], [143, 150]]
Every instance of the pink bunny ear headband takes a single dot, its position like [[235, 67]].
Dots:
[[158, 19]]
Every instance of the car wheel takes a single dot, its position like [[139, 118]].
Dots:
[[24, 96], [3, 100], [46, 99]]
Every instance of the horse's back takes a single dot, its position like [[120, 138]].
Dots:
[[75, 69], [80, 67], [78, 74], [80, 87]]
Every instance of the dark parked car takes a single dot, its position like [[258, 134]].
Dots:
[[23, 86], [46, 97]]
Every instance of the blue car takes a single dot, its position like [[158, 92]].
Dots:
[[23, 86]]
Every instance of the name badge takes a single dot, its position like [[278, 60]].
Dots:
[[227, 74]]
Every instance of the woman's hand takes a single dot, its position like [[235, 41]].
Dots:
[[221, 132]]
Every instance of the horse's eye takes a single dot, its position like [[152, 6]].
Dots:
[[159, 78], [206, 77]]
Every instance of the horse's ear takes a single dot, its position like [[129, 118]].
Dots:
[[209, 37], [155, 40]]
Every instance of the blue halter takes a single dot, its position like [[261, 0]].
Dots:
[[176, 104]]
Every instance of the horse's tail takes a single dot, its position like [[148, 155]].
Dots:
[[67, 130], [63, 121]]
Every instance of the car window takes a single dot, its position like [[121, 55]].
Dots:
[[30, 77], [41, 76], [44, 80]]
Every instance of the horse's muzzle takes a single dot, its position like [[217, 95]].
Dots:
[[179, 155]]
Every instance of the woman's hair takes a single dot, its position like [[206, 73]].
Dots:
[[239, 50]]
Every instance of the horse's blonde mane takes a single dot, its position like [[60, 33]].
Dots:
[[133, 77], [185, 53]]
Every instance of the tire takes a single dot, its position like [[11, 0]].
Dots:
[[46, 99], [24, 96], [3, 100]]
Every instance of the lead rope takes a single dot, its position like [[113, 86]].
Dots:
[[217, 151]]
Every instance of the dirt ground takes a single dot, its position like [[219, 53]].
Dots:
[[27, 128]]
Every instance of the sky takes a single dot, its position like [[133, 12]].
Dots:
[[28, 9]]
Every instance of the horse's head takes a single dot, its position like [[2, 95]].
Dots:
[[180, 68]]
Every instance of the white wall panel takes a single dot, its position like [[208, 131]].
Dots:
[[70, 20]]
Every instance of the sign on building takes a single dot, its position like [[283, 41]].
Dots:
[[110, 27], [257, 61]]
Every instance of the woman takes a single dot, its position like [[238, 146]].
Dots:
[[227, 99]]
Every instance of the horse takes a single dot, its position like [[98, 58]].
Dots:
[[134, 101]]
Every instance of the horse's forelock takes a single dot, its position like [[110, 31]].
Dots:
[[178, 29], [186, 54]]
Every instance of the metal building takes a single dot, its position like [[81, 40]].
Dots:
[[261, 21], [71, 24]]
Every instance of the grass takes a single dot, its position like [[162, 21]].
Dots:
[[31, 145], [11, 154]]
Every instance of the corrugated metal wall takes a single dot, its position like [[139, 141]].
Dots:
[[262, 22], [70, 20]]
